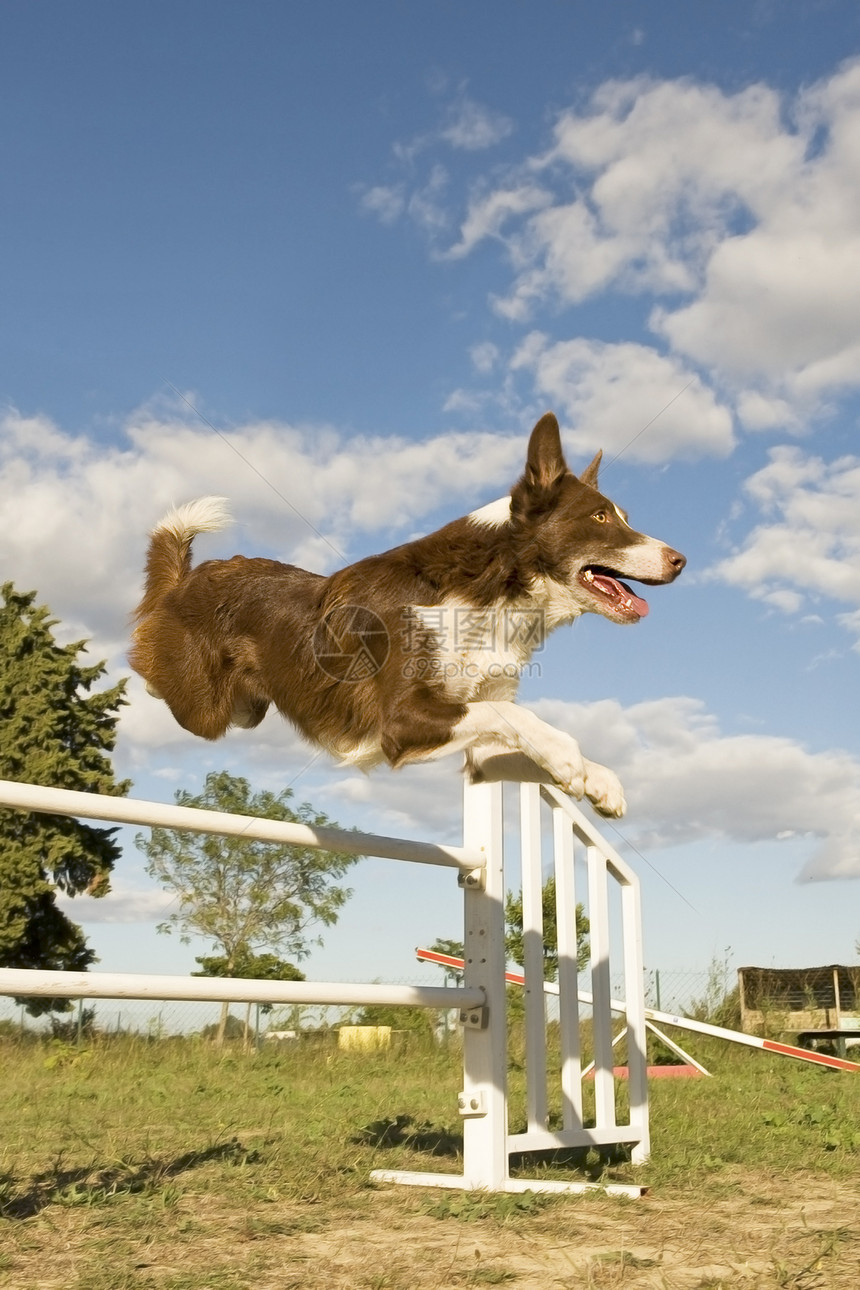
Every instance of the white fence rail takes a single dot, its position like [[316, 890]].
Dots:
[[127, 985], [480, 862], [129, 810]]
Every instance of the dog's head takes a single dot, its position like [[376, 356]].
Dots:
[[580, 540]]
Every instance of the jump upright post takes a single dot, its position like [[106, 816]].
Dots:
[[552, 833]]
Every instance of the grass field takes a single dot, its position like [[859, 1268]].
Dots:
[[135, 1165]]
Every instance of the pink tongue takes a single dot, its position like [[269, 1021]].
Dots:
[[620, 593]]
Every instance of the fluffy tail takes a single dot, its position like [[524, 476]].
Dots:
[[169, 557]]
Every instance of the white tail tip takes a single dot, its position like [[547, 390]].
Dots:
[[205, 515]]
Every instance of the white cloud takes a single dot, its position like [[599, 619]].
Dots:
[[807, 546], [776, 305], [489, 212], [467, 402], [661, 172], [757, 410], [76, 511], [609, 393], [484, 357], [472, 126], [469, 126], [120, 905], [425, 204], [387, 202], [685, 781], [415, 801], [735, 215]]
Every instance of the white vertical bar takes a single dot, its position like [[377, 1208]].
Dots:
[[637, 1035], [568, 983], [598, 915], [533, 968], [485, 1129]]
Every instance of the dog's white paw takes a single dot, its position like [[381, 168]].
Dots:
[[603, 789], [566, 765]]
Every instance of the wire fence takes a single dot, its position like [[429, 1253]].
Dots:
[[679, 992]]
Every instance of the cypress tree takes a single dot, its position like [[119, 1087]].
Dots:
[[54, 731]]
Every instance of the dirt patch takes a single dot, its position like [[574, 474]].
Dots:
[[761, 1232], [779, 1236]]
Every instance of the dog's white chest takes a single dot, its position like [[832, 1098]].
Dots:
[[477, 652]]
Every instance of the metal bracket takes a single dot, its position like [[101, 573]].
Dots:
[[475, 1018], [473, 880], [473, 1103]]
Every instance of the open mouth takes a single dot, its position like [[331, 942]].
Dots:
[[612, 596]]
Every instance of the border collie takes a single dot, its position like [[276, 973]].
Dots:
[[409, 655]]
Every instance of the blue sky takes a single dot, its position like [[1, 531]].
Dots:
[[332, 261]]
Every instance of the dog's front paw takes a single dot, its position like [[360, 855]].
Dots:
[[566, 765], [603, 789]]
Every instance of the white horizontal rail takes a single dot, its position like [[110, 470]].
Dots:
[[129, 810], [30, 983]]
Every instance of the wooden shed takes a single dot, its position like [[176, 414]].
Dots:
[[799, 998]]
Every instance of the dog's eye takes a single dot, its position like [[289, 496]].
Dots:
[[600, 516]]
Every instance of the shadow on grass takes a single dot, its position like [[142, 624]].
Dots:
[[402, 1131], [592, 1162], [90, 1186]]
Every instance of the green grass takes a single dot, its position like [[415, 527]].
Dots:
[[136, 1165]]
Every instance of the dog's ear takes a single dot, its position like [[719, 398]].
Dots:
[[589, 475], [545, 463]]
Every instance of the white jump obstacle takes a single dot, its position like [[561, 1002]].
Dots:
[[614, 910]]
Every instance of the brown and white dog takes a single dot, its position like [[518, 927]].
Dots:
[[409, 655]]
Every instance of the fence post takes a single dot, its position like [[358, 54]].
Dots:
[[637, 1037], [483, 1102], [533, 964], [568, 971], [598, 913]]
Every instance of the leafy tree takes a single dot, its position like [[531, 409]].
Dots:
[[54, 731], [514, 935], [417, 1021], [250, 967], [241, 894]]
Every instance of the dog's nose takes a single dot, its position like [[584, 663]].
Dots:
[[675, 560]]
